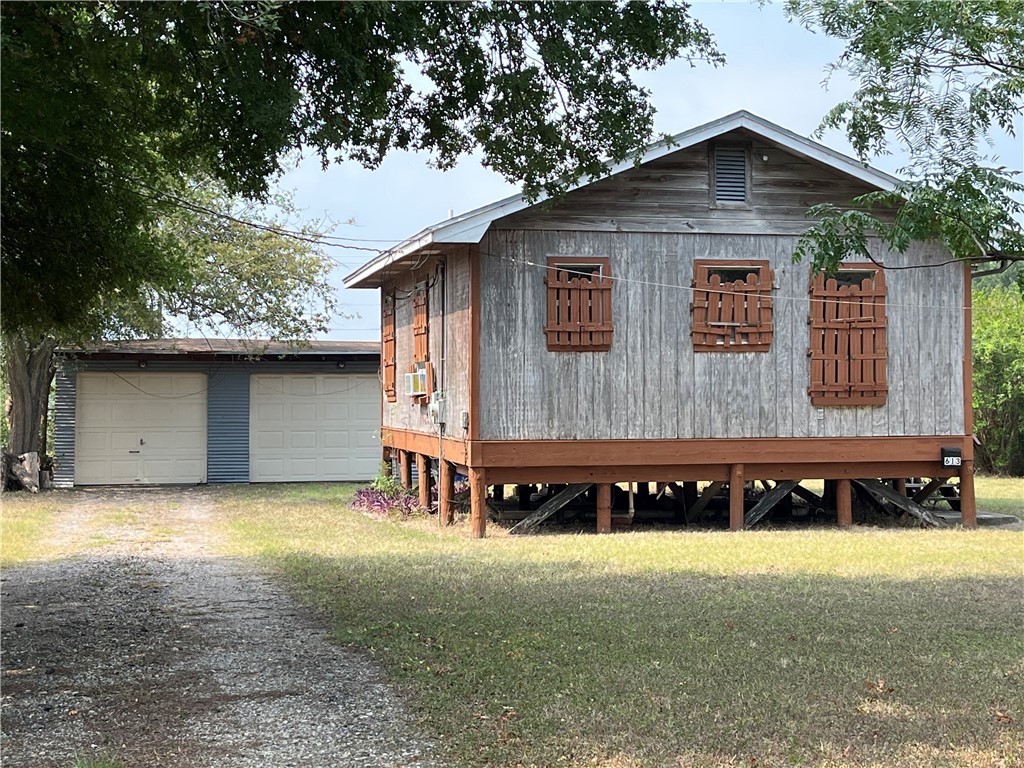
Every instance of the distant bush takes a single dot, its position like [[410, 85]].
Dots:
[[998, 344]]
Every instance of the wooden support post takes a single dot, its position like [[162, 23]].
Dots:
[[478, 503], [785, 507], [499, 492], [968, 506], [445, 494], [423, 468], [901, 485], [844, 503], [690, 495], [829, 495], [405, 469], [523, 492], [643, 495], [604, 508], [736, 497], [681, 509]]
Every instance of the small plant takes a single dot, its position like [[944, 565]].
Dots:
[[97, 762], [386, 497], [385, 482]]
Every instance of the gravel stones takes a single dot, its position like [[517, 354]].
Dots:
[[160, 653]]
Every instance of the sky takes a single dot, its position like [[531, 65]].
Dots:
[[774, 68]]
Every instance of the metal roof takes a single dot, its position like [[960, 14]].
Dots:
[[469, 228], [226, 347]]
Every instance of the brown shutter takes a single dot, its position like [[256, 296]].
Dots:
[[420, 324], [734, 316], [388, 347], [579, 308], [848, 347]]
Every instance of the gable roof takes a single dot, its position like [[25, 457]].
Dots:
[[468, 228]]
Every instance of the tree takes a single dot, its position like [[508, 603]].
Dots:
[[105, 102], [108, 106], [935, 79], [998, 347], [235, 267]]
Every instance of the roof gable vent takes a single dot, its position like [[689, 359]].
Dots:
[[730, 175]]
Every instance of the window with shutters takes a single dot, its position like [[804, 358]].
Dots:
[[732, 306], [388, 346], [420, 324], [579, 292], [848, 337], [730, 175]]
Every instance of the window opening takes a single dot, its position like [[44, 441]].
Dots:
[[579, 294], [848, 337], [732, 306]]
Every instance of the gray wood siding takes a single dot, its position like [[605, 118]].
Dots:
[[672, 194], [651, 384], [449, 329]]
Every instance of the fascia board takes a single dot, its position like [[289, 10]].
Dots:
[[470, 227]]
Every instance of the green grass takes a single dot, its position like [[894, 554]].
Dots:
[[25, 524], [1000, 494], [98, 762], [809, 647]]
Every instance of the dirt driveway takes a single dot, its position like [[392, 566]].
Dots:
[[141, 645]]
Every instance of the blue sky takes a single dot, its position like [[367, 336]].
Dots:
[[774, 69]]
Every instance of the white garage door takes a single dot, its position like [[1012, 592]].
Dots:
[[140, 428], [314, 427]]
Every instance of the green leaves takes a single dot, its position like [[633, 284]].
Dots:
[[998, 339], [933, 76], [109, 105], [935, 79], [262, 281], [975, 214]]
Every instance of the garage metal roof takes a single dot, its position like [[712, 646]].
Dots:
[[185, 348]]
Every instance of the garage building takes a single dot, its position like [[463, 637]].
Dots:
[[190, 411]]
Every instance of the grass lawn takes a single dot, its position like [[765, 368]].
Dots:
[[1000, 494], [803, 647], [25, 522]]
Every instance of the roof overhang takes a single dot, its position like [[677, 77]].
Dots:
[[469, 228], [225, 349]]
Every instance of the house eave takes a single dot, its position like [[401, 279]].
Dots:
[[469, 228]]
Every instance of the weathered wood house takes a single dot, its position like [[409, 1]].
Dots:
[[651, 326]]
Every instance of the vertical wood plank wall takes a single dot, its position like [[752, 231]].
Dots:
[[453, 367], [651, 384]]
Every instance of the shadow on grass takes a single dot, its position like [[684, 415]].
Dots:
[[571, 663]]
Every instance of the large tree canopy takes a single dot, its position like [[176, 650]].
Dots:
[[237, 266], [935, 79], [103, 102]]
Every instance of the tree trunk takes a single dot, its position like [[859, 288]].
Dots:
[[30, 372]]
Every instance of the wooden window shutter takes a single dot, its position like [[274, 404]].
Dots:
[[420, 324], [849, 349], [388, 347], [579, 293], [730, 171], [732, 306]]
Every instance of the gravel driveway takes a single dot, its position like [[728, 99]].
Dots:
[[152, 650]]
